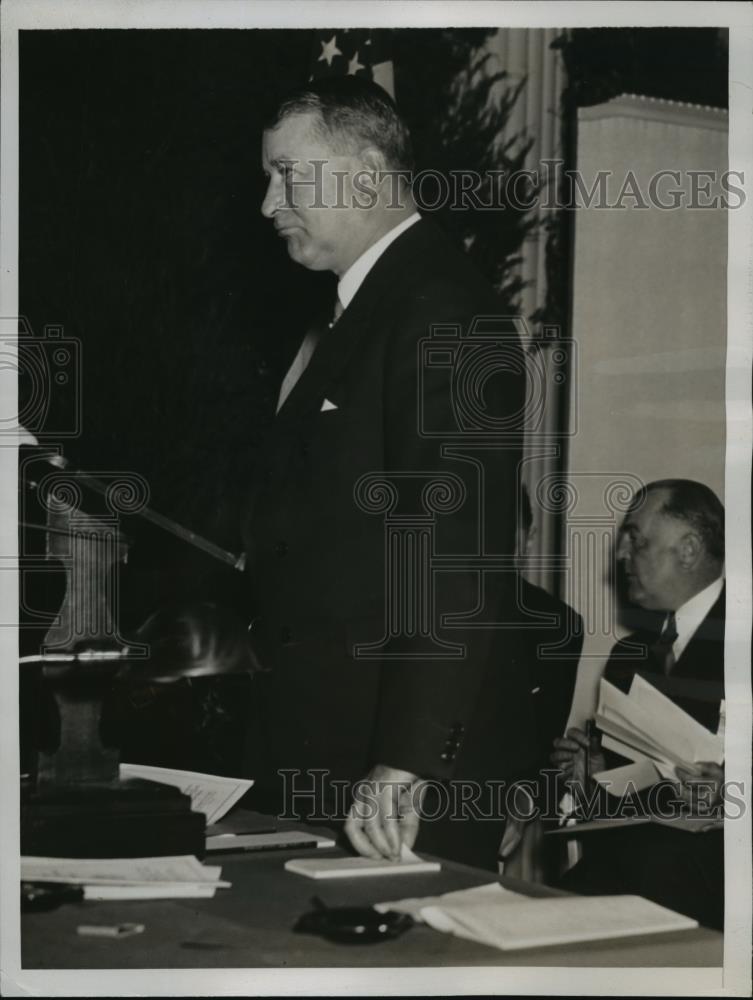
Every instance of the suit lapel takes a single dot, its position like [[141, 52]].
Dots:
[[370, 305], [704, 654], [332, 354]]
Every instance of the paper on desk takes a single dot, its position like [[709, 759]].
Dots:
[[121, 871], [499, 918], [350, 867], [211, 794], [156, 890], [279, 840]]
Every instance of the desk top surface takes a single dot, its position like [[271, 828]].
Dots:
[[250, 926]]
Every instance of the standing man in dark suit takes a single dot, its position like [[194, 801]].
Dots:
[[672, 550], [364, 681], [551, 639]]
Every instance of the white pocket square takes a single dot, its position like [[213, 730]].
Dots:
[[326, 405]]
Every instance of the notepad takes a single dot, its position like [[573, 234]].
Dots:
[[509, 921], [409, 864]]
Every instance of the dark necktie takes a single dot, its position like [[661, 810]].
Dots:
[[339, 310], [661, 651]]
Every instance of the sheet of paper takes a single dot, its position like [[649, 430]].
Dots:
[[506, 920], [707, 746], [211, 794], [657, 728], [174, 890], [630, 777], [97, 871], [409, 864], [414, 905], [617, 715], [281, 840]]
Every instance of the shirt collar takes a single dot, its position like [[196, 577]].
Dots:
[[690, 615], [353, 278]]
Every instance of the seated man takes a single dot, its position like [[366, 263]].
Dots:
[[672, 550]]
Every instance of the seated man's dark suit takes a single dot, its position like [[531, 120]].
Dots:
[[681, 870], [316, 548]]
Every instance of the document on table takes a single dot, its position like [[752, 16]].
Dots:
[[211, 794], [499, 918], [409, 864], [280, 840], [649, 729], [128, 878]]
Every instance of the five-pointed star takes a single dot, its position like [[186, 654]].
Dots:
[[354, 65], [329, 50]]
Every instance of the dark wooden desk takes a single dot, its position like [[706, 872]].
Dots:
[[250, 926]]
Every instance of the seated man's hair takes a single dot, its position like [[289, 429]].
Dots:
[[351, 113], [696, 505]]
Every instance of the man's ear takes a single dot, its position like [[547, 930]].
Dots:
[[689, 549], [374, 161]]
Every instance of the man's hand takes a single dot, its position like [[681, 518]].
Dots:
[[570, 757], [384, 813], [701, 789]]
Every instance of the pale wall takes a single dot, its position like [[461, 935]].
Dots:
[[649, 319]]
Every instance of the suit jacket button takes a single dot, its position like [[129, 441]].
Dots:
[[285, 634], [281, 548], [445, 756]]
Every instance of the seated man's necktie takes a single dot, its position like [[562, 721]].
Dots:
[[661, 650]]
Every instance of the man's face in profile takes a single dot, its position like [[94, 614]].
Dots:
[[309, 197], [648, 550]]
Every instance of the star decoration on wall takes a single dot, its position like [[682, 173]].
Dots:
[[354, 65], [330, 50], [348, 52]]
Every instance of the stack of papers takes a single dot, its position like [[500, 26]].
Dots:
[[652, 731], [128, 878], [209, 793], [507, 920]]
